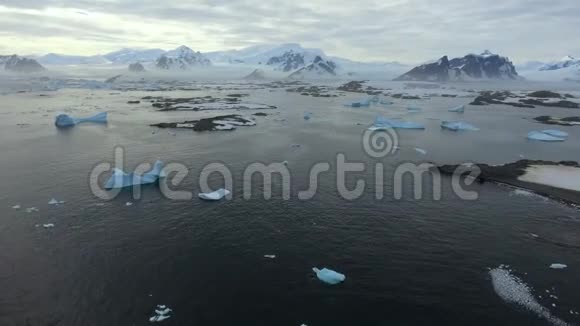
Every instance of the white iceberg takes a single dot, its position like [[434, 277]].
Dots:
[[541, 136], [556, 133], [55, 202], [65, 120], [16, 207], [128, 203], [48, 226], [31, 209], [161, 314], [216, 195], [420, 150], [120, 179], [329, 276], [459, 109], [457, 126], [270, 256], [382, 122], [558, 266]]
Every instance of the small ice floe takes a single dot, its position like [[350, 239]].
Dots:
[[556, 133], [420, 151], [513, 290], [16, 207], [120, 179], [458, 126], [382, 122], [161, 314], [459, 109], [55, 202], [558, 266], [65, 120], [541, 136], [329, 276], [270, 256], [128, 203], [31, 209], [216, 195], [48, 225]]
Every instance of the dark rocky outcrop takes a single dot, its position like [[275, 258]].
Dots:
[[567, 121], [469, 67], [288, 61], [318, 68], [218, 123]]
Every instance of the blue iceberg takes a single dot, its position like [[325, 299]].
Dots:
[[556, 133], [541, 136], [363, 102], [120, 179], [382, 122], [329, 276], [459, 109], [216, 195], [65, 120], [457, 126]]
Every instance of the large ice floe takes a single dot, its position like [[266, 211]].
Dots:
[[513, 290], [384, 123], [458, 126], [459, 109], [329, 276], [65, 120], [120, 179], [547, 136], [216, 195], [557, 176]]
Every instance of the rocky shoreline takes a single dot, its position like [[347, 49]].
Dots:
[[510, 174]]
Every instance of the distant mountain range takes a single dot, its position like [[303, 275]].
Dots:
[[470, 67], [182, 58], [565, 69], [16, 63]]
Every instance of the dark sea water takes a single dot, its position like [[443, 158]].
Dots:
[[407, 262]]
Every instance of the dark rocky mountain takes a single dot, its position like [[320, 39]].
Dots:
[[288, 61], [257, 74], [182, 58], [136, 67], [469, 67], [319, 68], [15, 63]]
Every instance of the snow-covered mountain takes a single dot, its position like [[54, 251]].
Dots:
[[63, 59], [567, 61], [262, 54], [181, 58], [127, 56], [319, 68], [257, 74], [15, 63], [470, 67]]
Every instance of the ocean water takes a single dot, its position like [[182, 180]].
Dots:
[[407, 261]]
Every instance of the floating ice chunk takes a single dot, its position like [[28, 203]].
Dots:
[[216, 195], [31, 209], [538, 135], [396, 124], [120, 179], [161, 314], [270, 256], [556, 133], [386, 102], [48, 226], [420, 151], [65, 120], [558, 266], [16, 207], [457, 126], [363, 102], [55, 202], [128, 203], [513, 290], [329, 276], [414, 109], [459, 109]]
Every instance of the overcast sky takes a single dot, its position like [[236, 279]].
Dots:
[[367, 30]]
